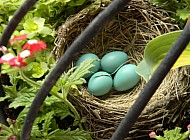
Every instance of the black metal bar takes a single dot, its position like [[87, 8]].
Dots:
[[19, 14], [152, 85], [104, 17], [2, 105]]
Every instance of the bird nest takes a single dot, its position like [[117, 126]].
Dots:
[[129, 31]]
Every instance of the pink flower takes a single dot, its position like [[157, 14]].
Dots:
[[188, 127], [152, 134], [17, 38], [34, 46]]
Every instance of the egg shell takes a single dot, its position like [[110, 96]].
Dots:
[[111, 61], [126, 78], [100, 83], [96, 63]]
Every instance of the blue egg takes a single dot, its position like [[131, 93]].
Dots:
[[100, 83], [96, 63], [111, 61], [126, 78]]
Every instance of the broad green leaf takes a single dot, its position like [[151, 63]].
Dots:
[[70, 135], [40, 22], [30, 25], [156, 50], [36, 70], [143, 70]]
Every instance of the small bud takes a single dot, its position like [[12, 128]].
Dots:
[[152, 134], [188, 127], [12, 138], [3, 49], [11, 121]]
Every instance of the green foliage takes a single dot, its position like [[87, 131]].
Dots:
[[180, 8], [36, 70], [42, 19], [155, 52], [40, 23], [55, 106], [70, 135], [174, 134]]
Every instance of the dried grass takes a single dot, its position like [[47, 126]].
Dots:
[[129, 31]]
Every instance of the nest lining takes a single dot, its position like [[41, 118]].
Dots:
[[129, 31]]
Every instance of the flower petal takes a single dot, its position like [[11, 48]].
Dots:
[[7, 57], [3, 49], [152, 134], [24, 54], [17, 38], [34, 46]]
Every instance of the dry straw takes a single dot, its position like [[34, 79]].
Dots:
[[129, 31]]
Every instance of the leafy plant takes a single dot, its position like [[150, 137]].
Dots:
[[156, 50], [174, 134], [26, 78], [180, 8], [42, 20]]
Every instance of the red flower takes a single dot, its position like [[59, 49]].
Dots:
[[17, 38], [34, 46], [7, 57], [15, 61], [152, 134]]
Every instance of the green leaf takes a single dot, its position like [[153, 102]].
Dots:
[[14, 78], [36, 133], [46, 125], [30, 25], [143, 68], [22, 115], [25, 98], [61, 110], [173, 134], [4, 98], [183, 13], [11, 70], [36, 70], [70, 135], [157, 49]]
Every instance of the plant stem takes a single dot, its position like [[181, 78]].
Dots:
[[28, 80], [72, 108], [33, 83]]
